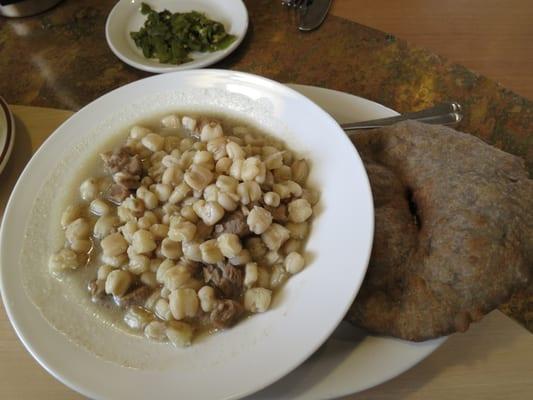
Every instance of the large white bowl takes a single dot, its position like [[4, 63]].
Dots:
[[257, 351]]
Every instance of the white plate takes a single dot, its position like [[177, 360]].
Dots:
[[126, 17], [7, 133], [350, 361], [258, 351]]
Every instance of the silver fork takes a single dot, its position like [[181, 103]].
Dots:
[[441, 114]]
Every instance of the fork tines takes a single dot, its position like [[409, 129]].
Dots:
[[294, 3]]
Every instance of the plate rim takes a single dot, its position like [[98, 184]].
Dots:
[[165, 68], [5, 152], [262, 81]]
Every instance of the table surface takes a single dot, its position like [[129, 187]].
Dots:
[[492, 37], [62, 61]]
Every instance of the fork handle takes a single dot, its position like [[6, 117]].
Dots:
[[443, 114]]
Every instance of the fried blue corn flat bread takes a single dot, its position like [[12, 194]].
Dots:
[[453, 233]]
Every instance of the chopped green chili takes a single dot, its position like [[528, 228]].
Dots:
[[171, 37]]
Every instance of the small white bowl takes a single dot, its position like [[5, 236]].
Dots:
[[239, 361], [126, 17]]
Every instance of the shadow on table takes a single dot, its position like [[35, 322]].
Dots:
[[22, 152], [318, 367], [460, 349]]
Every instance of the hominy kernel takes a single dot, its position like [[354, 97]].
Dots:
[[236, 169], [250, 274], [209, 212], [155, 330], [114, 245], [282, 173], [183, 303], [257, 299], [210, 131], [78, 229], [294, 262], [171, 121], [234, 151], [223, 165], [70, 215], [228, 201], [181, 230], [153, 142], [198, 177], [227, 183], [162, 269], [162, 310], [89, 189], [271, 199], [300, 171], [191, 251], [186, 144], [299, 210], [179, 333], [188, 123], [206, 295], [103, 271], [159, 231], [138, 132], [217, 147], [115, 261], [99, 207], [171, 249], [259, 220], [147, 220], [278, 277], [291, 245], [250, 168], [210, 251], [188, 213], [117, 282], [81, 246], [143, 241], [275, 236], [229, 245], [249, 192], [162, 191], [241, 259]]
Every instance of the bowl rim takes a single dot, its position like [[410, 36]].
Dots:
[[9, 134]]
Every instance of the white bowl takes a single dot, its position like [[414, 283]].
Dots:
[[126, 17], [244, 359]]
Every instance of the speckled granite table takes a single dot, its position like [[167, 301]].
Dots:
[[60, 59]]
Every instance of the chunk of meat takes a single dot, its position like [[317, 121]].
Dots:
[[117, 193], [226, 314], [203, 231], [120, 160], [279, 214], [234, 222], [226, 278], [136, 297]]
